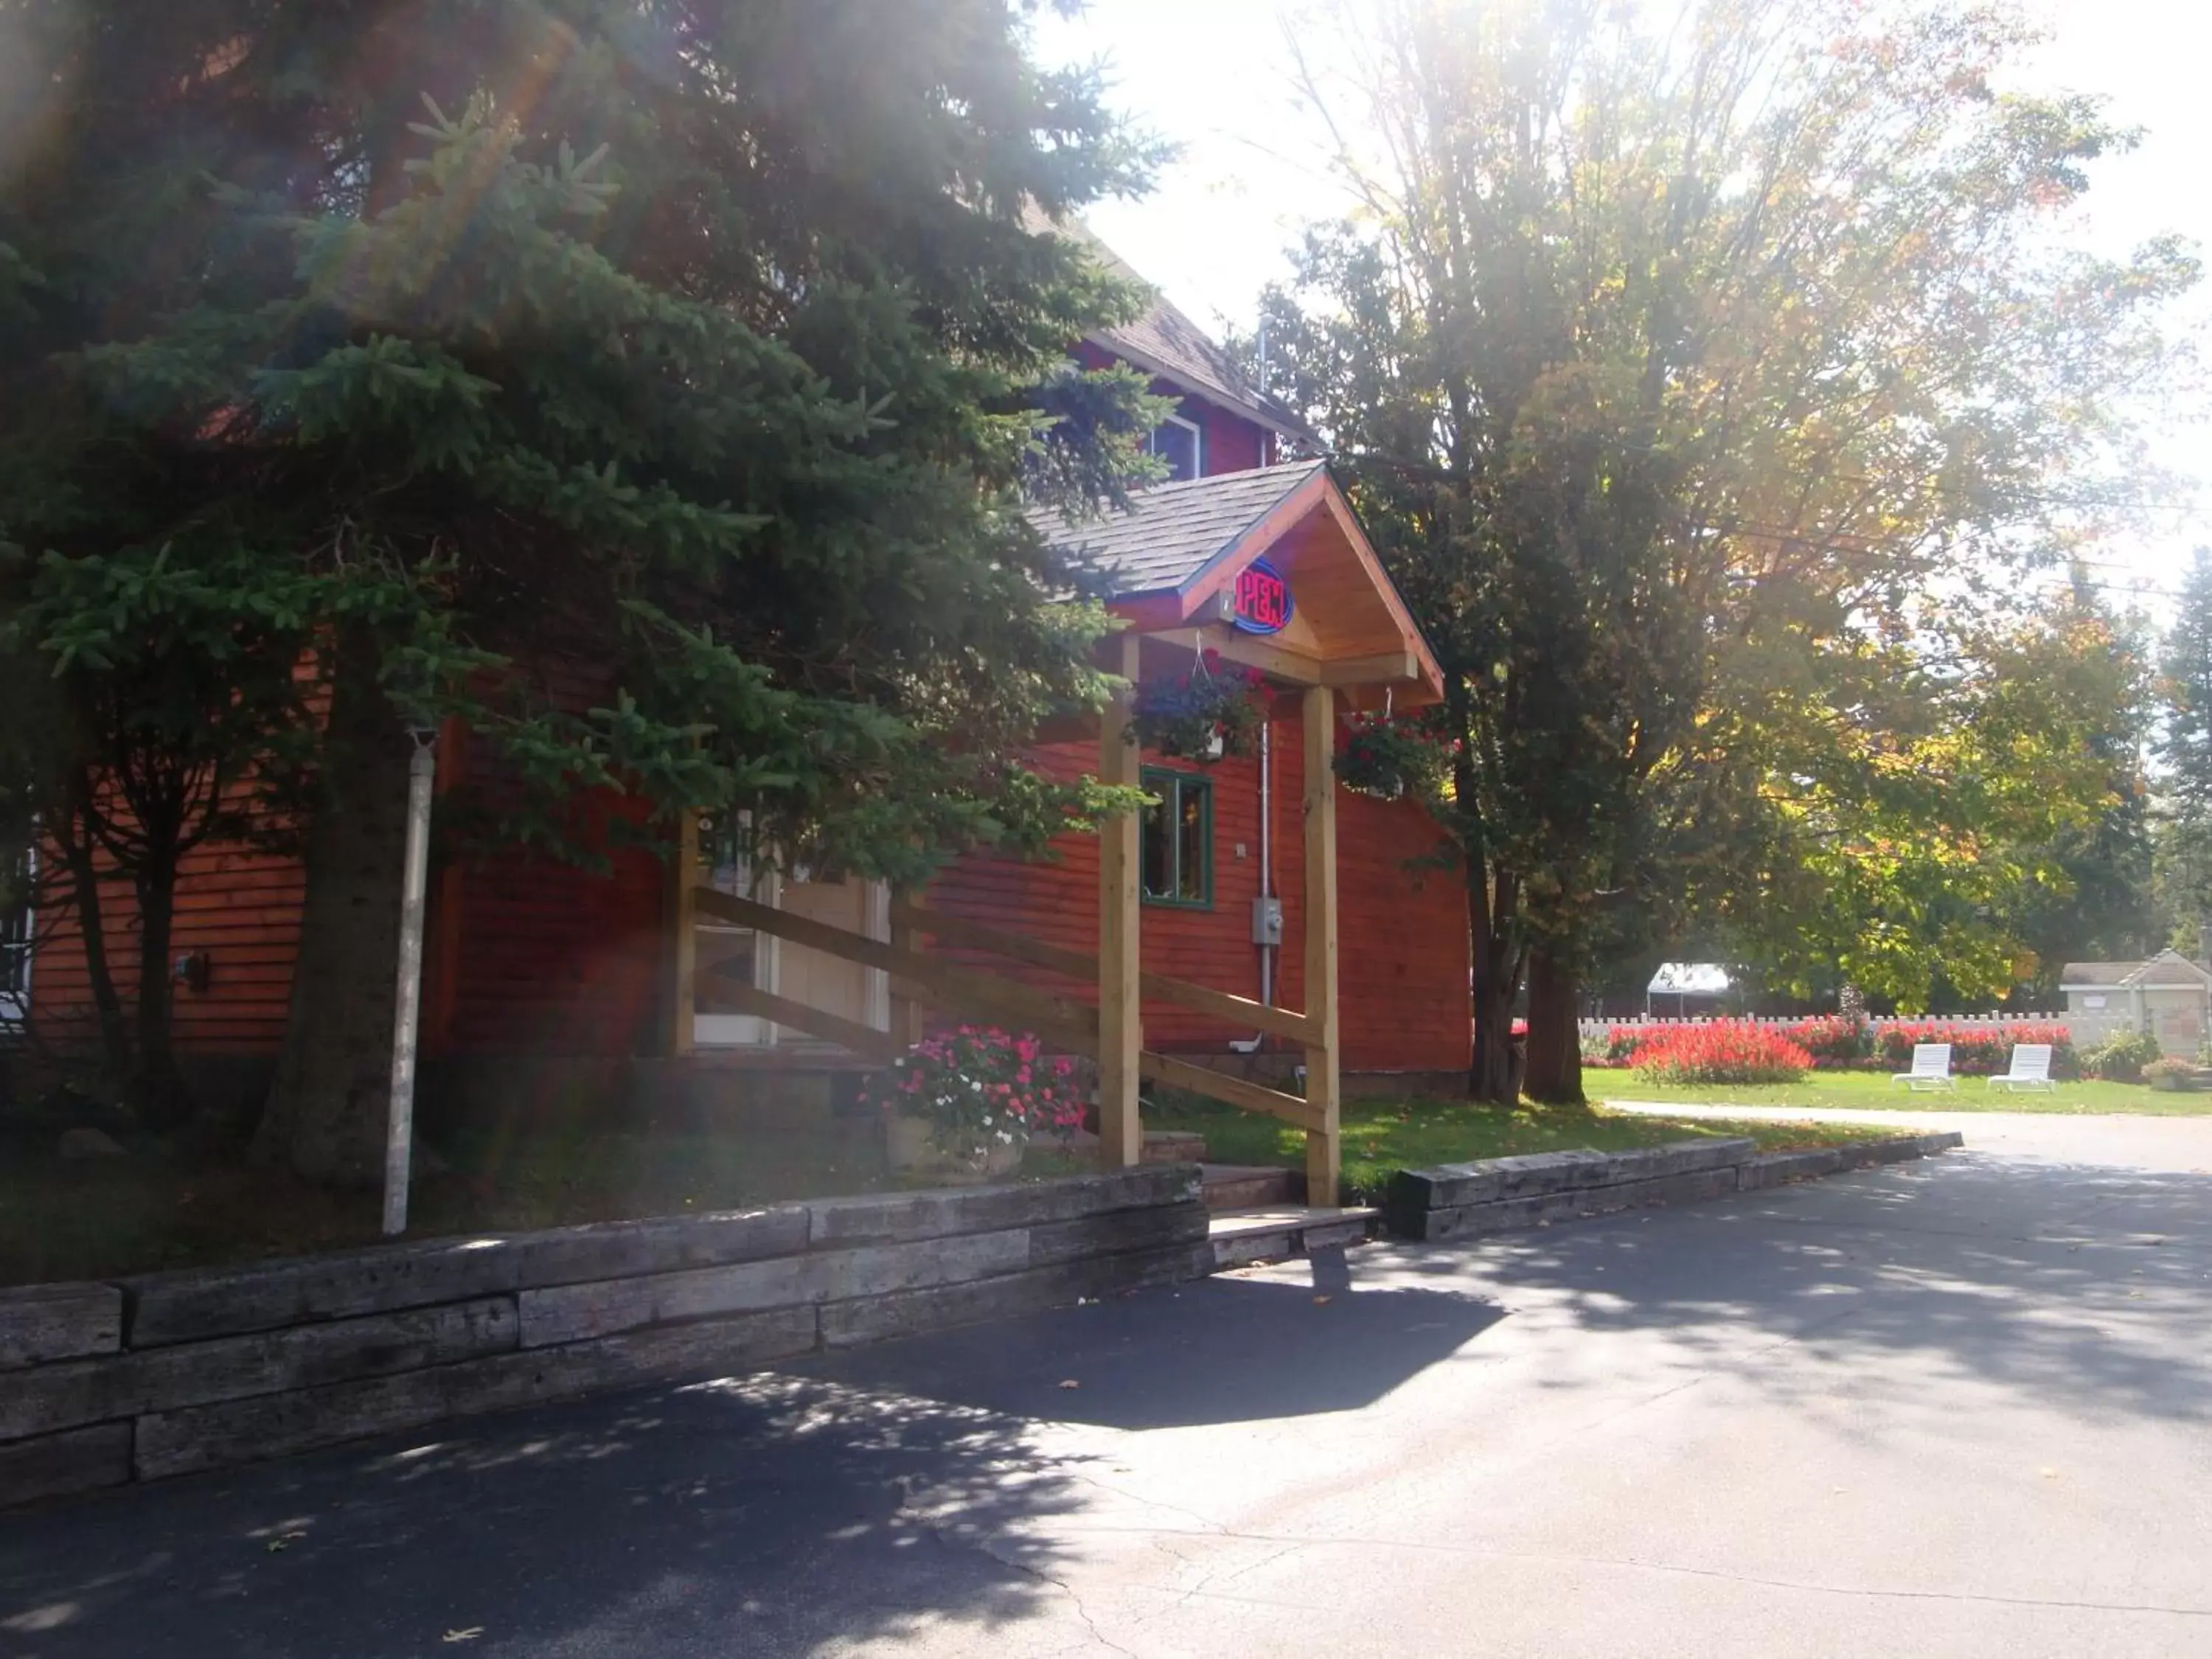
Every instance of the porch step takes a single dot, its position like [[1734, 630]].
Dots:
[[1244, 1186], [1173, 1147], [1267, 1234]]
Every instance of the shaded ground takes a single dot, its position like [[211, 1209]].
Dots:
[[1953, 1408], [164, 1205], [1873, 1092], [1383, 1136], [167, 1206]]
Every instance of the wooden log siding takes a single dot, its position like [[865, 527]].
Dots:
[[1402, 972], [540, 955], [239, 905]]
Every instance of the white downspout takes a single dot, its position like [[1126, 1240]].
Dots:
[[1251, 1045]]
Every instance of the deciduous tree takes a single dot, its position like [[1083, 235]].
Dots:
[[1674, 375]]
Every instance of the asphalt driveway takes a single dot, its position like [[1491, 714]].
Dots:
[[1956, 1408]]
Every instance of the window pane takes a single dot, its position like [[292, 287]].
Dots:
[[1179, 444], [1159, 849], [1191, 846]]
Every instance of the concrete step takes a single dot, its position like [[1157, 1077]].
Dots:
[[1268, 1233], [1243, 1187]]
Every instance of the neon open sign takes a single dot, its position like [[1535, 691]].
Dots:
[[1263, 600]]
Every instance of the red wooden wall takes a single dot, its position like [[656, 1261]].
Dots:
[[1403, 969], [241, 907]]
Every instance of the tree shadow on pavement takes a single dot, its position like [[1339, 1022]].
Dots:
[[1224, 1349], [759, 1516], [872, 1495]]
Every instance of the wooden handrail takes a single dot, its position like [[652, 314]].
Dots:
[[1220, 1086], [728, 996], [1286, 1023], [924, 978], [1069, 1026]]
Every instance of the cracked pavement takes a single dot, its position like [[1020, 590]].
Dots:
[[1953, 1408]]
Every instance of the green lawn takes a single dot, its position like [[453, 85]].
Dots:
[[1380, 1136], [1874, 1092]]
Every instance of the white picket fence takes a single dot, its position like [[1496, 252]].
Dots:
[[2084, 1028], [1876, 1020]]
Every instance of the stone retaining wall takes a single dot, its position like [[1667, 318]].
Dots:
[[103, 1383], [1495, 1193]]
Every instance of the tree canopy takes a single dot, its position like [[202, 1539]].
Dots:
[[652, 387], [1707, 395]]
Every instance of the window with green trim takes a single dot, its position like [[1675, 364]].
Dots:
[[1179, 840]]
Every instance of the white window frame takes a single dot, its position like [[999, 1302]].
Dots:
[[15, 1005], [1197, 441], [764, 884]]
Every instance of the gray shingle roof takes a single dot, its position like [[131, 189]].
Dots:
[[1173, 530], [1165, 341], [2166, 968]]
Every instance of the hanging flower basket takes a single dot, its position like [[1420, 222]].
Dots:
[[1203, 715], [1390, 757]]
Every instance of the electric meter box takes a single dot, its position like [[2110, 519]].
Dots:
[[1267, 921]]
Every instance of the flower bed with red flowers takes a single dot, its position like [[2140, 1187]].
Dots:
[[1976, 1050], [1835, 1043], [1730, 1052]]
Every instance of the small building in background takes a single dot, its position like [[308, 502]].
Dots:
[[1684, 989], [2167, 995]]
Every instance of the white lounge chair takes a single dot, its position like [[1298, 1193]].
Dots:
[[2030, 1068], [1931, 1067]]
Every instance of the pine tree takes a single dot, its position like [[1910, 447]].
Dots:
[[698, 350]]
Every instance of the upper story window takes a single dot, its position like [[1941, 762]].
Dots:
[[1179, 441]]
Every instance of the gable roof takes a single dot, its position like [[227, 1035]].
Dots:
[[2167, 971], [1171, 534], [1690, 979], [1167, 343]]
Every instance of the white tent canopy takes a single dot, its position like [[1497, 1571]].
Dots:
[[1690, 979]]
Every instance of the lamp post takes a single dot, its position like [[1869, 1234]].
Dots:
[[400, 1129]]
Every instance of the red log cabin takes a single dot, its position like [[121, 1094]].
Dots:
[[1202, 940]]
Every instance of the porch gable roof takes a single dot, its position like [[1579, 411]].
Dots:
[[1172, 558], [1171, 533]]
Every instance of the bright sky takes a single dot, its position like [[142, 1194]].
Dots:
[[1213, 77]]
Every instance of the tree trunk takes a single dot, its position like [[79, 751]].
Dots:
[[1494, 1075], [328, 1104], [157, 1090], [1555, 1053], [92, 926]]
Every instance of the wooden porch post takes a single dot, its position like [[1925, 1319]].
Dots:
[[1324, 1151], [683, 936], [1121, 1008], [908, 1015]]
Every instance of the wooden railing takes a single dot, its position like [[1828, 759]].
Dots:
[[973, 993]]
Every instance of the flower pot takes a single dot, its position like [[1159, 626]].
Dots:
[[2169, 1085], [908, 1143]]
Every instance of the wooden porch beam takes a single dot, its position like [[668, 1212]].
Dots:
[[1270, 659], [1120, 996], [1324, 1086], [1389, 668], [683, 969]]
